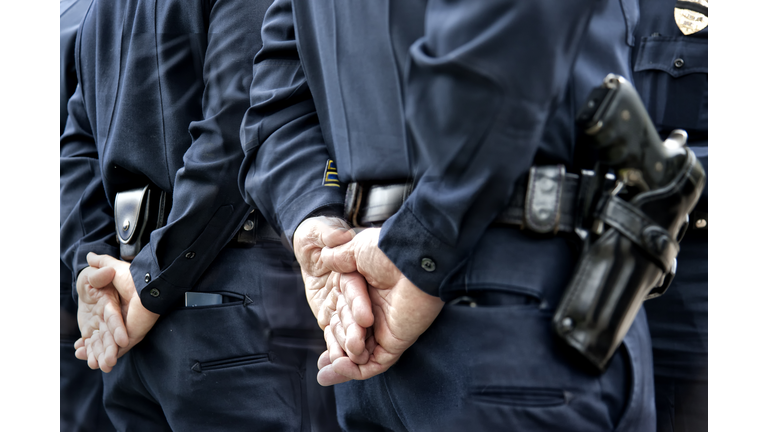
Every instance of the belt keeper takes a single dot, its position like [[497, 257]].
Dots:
[[543, 198], [352, 200]]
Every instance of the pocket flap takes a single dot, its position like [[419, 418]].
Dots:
[[677, 56], [128, 207]]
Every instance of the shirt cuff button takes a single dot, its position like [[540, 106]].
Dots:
[[428, 265]]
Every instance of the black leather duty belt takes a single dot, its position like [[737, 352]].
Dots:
[[547, 201], [255, 230]]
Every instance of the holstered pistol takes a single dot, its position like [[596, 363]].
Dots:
[[630, 252]]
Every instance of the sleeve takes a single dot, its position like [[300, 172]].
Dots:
[[207, 206], [86, 219], [480, 86], [285, 154]]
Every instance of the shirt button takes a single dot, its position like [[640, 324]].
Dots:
[[679, 63], [428, 265], [190, 255], [154, 292], [147, 278], [248, 225]]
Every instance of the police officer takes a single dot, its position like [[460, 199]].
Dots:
[[208, 316], [670, 71], [80, 389], [443, 107]]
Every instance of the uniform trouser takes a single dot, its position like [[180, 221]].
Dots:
[[80, 388], [678, 324], [248, 364], [498, 365]]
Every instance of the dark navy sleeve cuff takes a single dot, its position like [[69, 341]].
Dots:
[[309, 204], [423, 259], [156, 293]]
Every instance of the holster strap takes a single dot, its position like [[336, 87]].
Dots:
[[642, 231]]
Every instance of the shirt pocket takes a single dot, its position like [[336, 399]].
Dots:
[[670, 74]]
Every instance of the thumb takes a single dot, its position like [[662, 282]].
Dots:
[[99, 261], [340, 258], [101, 277], [335, 234]]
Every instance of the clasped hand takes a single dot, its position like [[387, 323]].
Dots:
[[369, 311], [109, 312]]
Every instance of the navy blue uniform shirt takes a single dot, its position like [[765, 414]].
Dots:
[[164, 107], [671, 75], [461, 96], [77, 172]]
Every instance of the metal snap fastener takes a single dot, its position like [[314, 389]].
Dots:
[[154, 292], [547, 184], [543, 214], [428, 265], [126, 225], [626, 115], [190, 255], [679, 63], [567, 324], [701, 223], [248, 225], [147, 278]]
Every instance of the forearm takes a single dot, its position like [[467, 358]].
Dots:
[[285, 154], [207, 206], [476, 117]]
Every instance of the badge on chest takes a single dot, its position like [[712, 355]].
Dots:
[[691, 16]]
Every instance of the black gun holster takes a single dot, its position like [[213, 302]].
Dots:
[[633, 259]]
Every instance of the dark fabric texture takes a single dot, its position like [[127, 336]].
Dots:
[[80, 388], [162, 88], [676, 95], [681, 404], [81, 407], [229, 366], [462, 97], [499, 366]]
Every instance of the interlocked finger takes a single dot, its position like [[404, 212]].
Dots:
[[354, 335], [337, 330], [334, 349], [326, 376], [80, 352], [355, 289], [108, 357], [90, 344], [329, 306], [114, 324]]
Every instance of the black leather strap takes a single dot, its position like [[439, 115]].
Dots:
[[642, 231], [545, 202]]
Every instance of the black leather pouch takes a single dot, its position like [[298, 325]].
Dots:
[[138, 212], [633, 260]]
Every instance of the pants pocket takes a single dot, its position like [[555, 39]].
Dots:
[[207, 366], [520, 396]]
